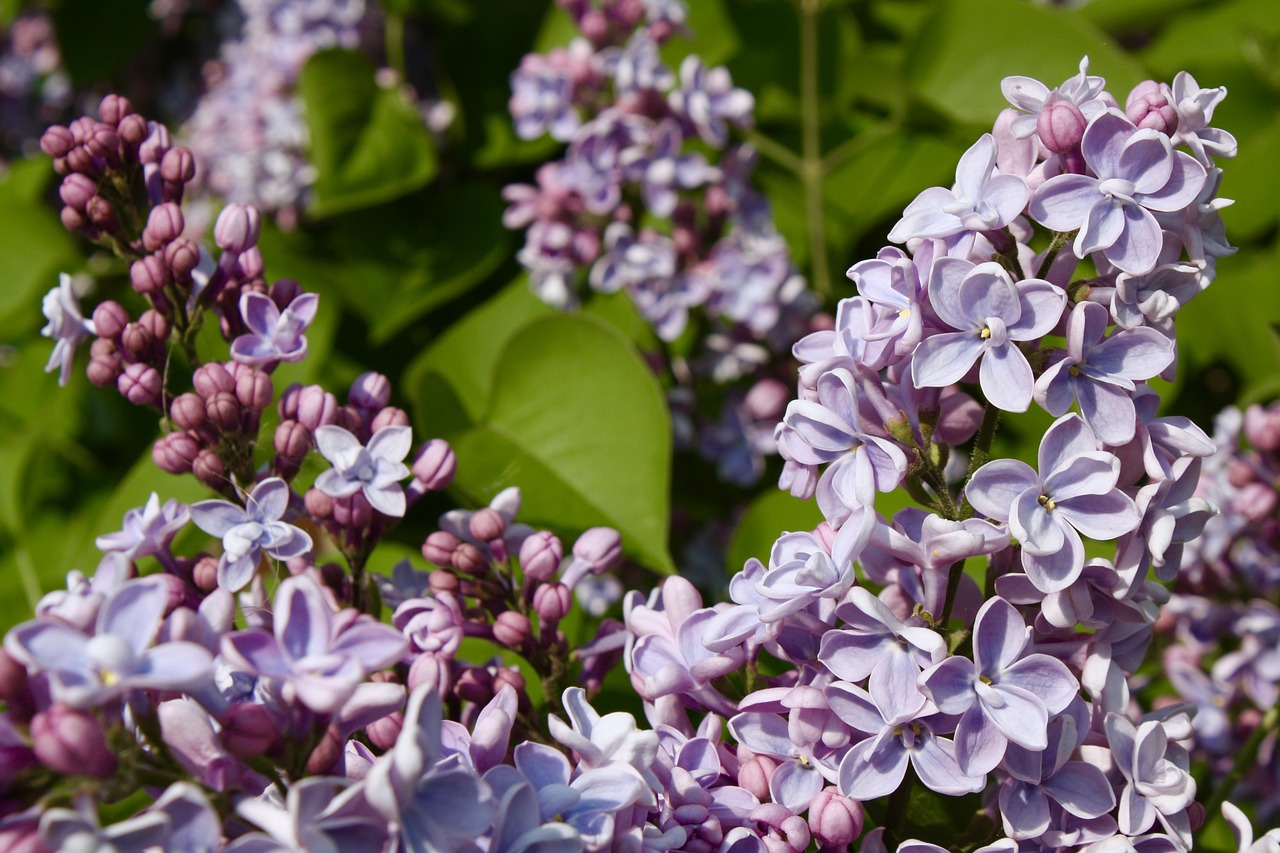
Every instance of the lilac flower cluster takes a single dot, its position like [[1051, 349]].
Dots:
[[637, 205], [34, 88], [248, 129]]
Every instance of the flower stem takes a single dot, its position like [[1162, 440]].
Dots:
[[1060, 239], [981, 451], [812, 170], [1246, 758], [895, 814]]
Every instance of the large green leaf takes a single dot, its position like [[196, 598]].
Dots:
[[368, 143], [34, 247], [767, 518], [578, 422], [954, 69]]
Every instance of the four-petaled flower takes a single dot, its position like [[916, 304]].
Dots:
[[274, 335], [376, 468], [67, 326], [250, 530]]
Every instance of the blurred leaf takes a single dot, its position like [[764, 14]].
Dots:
[[1253, 180], [368, 143], [767, 518], [1209, 35], [34, 247], [715, 40], [619, 311], [577, 421], [1135, 14], [953, 72], [96, 37]]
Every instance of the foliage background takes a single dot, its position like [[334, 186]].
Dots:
[[860, 105]]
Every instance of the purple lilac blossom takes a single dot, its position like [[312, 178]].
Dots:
[[67, 326], [1083, 91], [274, 335], [375, 469], [991, 315], [709, 102], [249, 531], [147, 530], [1195, 106]]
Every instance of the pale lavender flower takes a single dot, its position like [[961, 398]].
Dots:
[[805, 766], [274, 335], [319, 659], [542, 91], [1037, 779], [637, 67], [518, 826], [630, 259], [87, 671], [708, 100], [991, 314], [1155, 298], [1099, 372], [612, 740], [1155, 788], [197, 828], [1243, 832], [803, 571], [68, 830], [376, 468], [663, 170], [318, 813], [147, 530], [979, 201], [897, 282], [875, 643], [1195, 106], [1162, 441], [1082, 91], [1075, 493], [1138, 172], [67, 326], [249, 531], [1172, 514]]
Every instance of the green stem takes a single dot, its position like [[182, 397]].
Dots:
[[1060, 239], [811, 173], [953, 586], [981, 450], [776, 151], [1245, 759], [395, 45]]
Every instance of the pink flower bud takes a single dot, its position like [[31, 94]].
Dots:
[[487, 524], [79, 159], [767, 399], [551, 601], [316, 407], [434, 465], [109, 319], [72, 742], [1262, 428], [253, 389], [353, 512], [509, 676], [132, 130], [77, 190], [318, 504], [187, 411], [175, 452], [182, 256], [1148, 106], [600, 548], [251, 263], [383, 732], [1255, 501], [247, 730], [834, 820], [105, 362], [439, 547], [288, 405], [164, 225], [390, 416], [72, 219], [327, 751], [428, 670], [57, 141], [140, 384], [223, 411], [178, 166], [469, 559], [209, 469], [1240, 473], [1060, 126], [511, 629], [137, 342], [370, 391], [292, 440], [113, 108], [540, 555], [105, 145], [156, 323], [237, 228], [149, 275], [754, 775], [212, 378], [101, 213], [474, 684], [156, 144]]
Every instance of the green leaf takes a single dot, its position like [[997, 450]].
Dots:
[[34, 247], [578, 422], [954, 70], [368, 143], [767, 518], [1253, 180]]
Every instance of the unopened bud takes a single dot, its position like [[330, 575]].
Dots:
[[754, 775], [57, 141], [1060, 126], [182, 256], [105, 362], [237, 228], [156, 323], [113, 108], [212, 378], [254, 390], [13, 677], [292, 440], [511, 629], [487, 524], [600, 547], [318, 504], [283, 292], [164, 225], [384, 731], [209, 469], [76, 191], [1262, 428], [247, 730], [439, 547], [834, 820], [541, 555], [428, 670], [370, 391], [469, 559], [327, 751], [72, 742], [474, 684], [149, 275], [767, 399], [109, 319], [223, 411], [140, 384], [442, 580], [316, 407], [353, 511], [132, 130], [552, 601], [101, 213], [1148, 107], [434, 465], [178, 166], [175, 452], [390, 416]]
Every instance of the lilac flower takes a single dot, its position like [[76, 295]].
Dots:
[[588, 801], [67, 326], [319, 661], [542, 92], [1172, 514], [197, 828], [1155, 787], [1036, 779], [978, 202], [1004, 695], [803, 571], [87, 671], [637, 67], [1137, 172], [274, 335], [147, 530], [64, 829], [596, 161], [1099, 372], [376, 468], [1076, 493], [318, 813], [664, 170], [632, 260], [1156, 297], [708, 100], [990, 314], [876, 643], [248, 532], [1195, 107], [805, 765], [609, 740], [897, 282], [1032, 97], [1162, 441], [518, 826]]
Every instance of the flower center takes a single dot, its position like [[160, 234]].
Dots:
[[1046, 502]]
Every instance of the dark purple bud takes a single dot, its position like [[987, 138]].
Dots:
[[327, 752], [442, 580], [1262, 428], [182, 256], [284, 292], [552, 601], [247, 730], [487, 524], [316, 407], [349, 419], [76, 191], [223, 411], [110, 318], [1061, 126], [72, 742], [164, 225], [114, 108], [105, 144], [80, 160], [176, 589], [212, 378], [1148, 107], [383, 732], [13, 677], [254, 389], [132, 130], [540, 555], [156, 323], [439, 548], [209, 469], [754, 775], [149, 275], [187, 411], [57, 141], [178, 166], [237, 228], [319, 505], [469, 559], [435, 464], [370, 391], [292, 440], [511, 629], [140, 384], [101, 213], [175, 452], [600, 548], [390, 416], [474, 684], [834, 820]]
